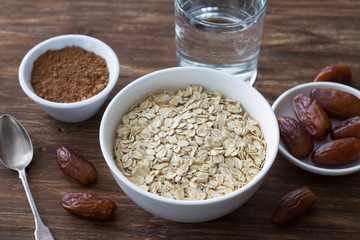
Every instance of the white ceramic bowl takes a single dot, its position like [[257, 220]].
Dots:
[[283, 107], [76, 111], [173, 79]]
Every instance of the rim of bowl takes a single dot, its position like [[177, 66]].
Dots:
[[30, 93], [111, 163], [298, 162]]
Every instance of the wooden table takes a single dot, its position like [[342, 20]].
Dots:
[[299, 39]]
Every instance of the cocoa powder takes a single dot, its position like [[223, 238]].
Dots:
[[70, 74]]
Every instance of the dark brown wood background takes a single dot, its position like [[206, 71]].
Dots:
[[299, 39]]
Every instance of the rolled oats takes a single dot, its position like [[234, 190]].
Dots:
[[189, 144]]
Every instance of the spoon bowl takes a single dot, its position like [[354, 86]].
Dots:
[[16, 150], [16, 153]]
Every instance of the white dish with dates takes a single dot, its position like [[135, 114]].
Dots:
[[283, 107]]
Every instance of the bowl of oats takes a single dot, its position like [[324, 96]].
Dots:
[[189, 144]]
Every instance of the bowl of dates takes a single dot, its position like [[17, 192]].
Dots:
[[319, 125]]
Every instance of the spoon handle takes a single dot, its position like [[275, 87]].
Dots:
[[41, 231]]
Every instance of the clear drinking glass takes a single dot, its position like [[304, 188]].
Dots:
[[220, 34]]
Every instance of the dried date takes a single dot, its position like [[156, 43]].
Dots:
[[337, 103], [293, 205], [312, 115], [340, 73], [347, 128], [337, 153], [295, 137], [90, 206], [75, 167]]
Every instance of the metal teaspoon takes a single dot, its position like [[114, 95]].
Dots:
[[16, 152]]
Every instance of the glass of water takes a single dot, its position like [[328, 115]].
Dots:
[[220, 34]]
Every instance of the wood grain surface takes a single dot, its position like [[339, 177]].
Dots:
[[299, 39]]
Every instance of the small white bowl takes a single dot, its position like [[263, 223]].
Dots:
[[174, 79], [283, 107], [76, 111]]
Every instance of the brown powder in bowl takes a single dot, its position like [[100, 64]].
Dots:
[[70, 74]]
